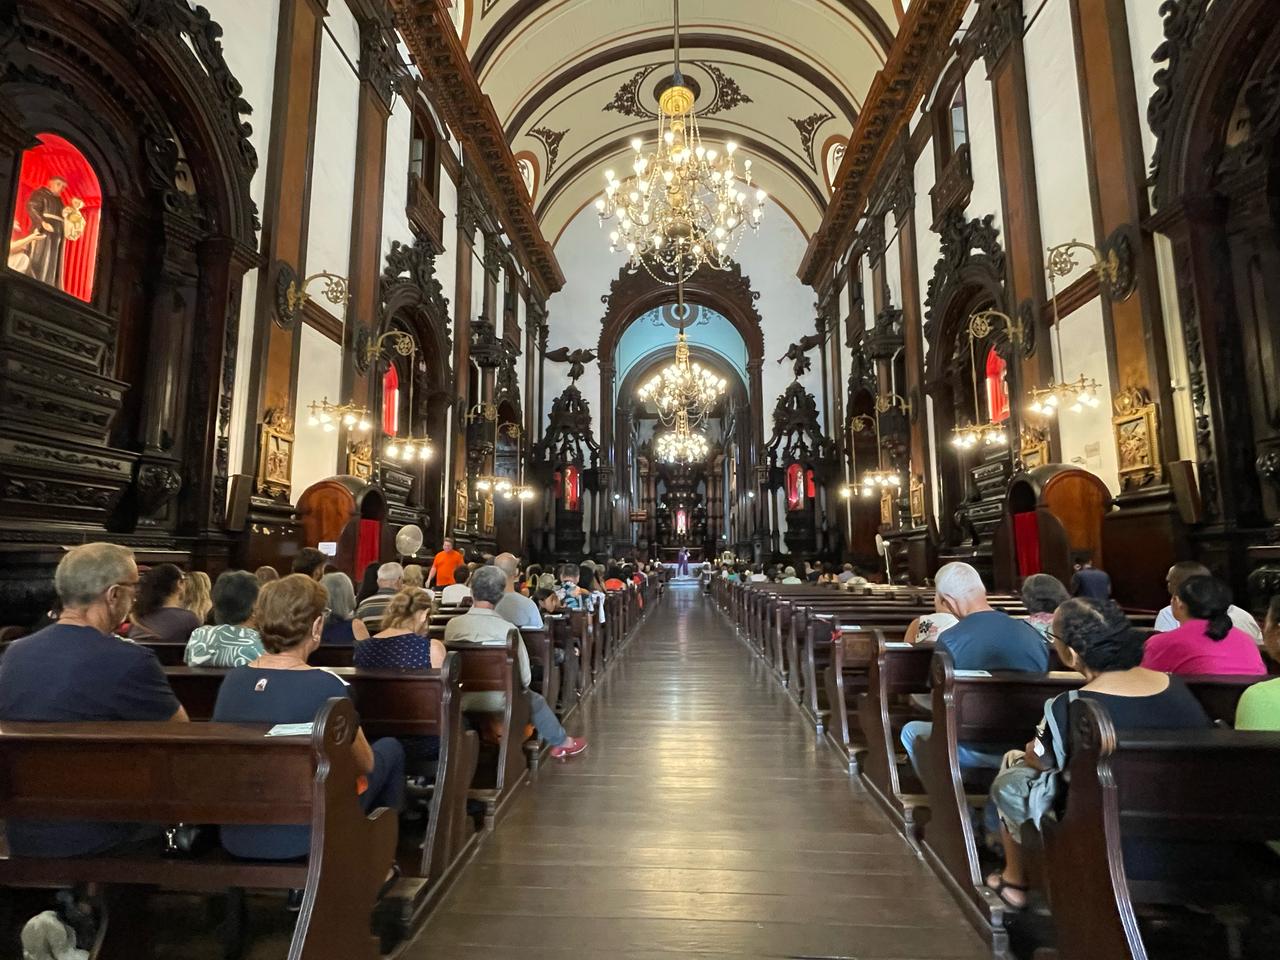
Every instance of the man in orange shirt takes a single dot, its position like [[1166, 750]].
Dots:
[[446, 561]]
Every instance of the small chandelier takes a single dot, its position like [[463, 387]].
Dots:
[[327, 416], [503, 487], [1082, 392], [685, 204], [879, 478], [681, 445], [990, 434], [683, 386], [409, 449]]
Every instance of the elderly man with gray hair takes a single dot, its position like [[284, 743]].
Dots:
[[515, 607], [482, 624], [77, 670], [372, 610], [984, 639]]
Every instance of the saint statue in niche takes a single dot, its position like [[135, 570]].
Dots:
[[54, 238]]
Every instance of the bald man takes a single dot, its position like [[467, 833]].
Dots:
[[1179, 574], [515, 607]]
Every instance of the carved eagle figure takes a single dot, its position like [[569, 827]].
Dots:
[[577, 359]]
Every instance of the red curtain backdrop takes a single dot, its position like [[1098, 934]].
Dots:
[[391, 402], [808, 484], [997, 387], [368, 547], [56, 157], [1026, 540], [571, 490]]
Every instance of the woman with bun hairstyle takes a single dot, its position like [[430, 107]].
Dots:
[[1094, 638], [1205, 641]]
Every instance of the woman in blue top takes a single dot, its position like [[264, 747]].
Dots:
[[403, 643], [342, 628], [281, 687]]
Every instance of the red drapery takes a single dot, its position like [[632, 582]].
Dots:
[[56, 157], [1026, 541], [368, 546], [997, 387], [391, 402]]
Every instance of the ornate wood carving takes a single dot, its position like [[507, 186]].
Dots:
[[428, 32], [953, 187], [971, 256], [924, 36], [995, 26]]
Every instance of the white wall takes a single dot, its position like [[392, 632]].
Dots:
[[315, 452], [985, 198], [1087, 437], [249, 46]]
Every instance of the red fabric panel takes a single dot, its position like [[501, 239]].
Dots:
[[808, 484], [391, 401], [997, 387], [1026, 539], [368, 546], [58, 157]]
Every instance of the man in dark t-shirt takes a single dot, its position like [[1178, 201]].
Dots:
[[75, 671], [984, 639]]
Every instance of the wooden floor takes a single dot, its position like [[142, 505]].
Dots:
[[704, 821]]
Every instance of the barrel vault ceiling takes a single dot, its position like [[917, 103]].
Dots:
[[573, 82]]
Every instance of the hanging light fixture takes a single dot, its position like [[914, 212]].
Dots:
[[1082, 392], [409, 449], [328, 416], [683, 385], [879, 478], [681, 444], [991, 433], [685, 204]]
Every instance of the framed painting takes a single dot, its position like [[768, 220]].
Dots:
[[275, 455]]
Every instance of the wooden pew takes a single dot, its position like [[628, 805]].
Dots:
[[1185, 785], [392, 703], [896, 671], [211, 773]]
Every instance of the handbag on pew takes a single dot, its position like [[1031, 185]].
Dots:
[[1024, 794]]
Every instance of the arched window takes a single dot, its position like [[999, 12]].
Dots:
[[53, 234], [391, 401], [997, 385]]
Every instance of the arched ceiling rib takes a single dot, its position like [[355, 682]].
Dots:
[[572, 82]]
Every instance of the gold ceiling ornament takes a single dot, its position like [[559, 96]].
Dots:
[[681, 444], [986, 433], [685, 204], [1081, 393]]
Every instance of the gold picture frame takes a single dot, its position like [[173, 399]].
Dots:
[[915, 494], [275, 455], [886, 508], [488, 514], [360, 460], [460, 505], [1137, 439]]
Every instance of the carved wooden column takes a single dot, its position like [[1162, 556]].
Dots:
[[1139, 541], [998, 29], [377, 90], [469, 213]]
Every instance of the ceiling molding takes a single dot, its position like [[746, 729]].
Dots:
[[428, 32], [924, 41], [522, 9], [692, 43], [621, 145]]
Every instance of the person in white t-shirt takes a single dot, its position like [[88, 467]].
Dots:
[[1179, 574], [456, 592]]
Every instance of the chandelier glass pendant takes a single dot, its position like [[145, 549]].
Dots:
[[685, 204], [1082, 392], [681, 444]]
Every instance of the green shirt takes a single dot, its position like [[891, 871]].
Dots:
[[223, 646], [1259, 707]]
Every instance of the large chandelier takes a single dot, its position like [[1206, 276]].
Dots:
[[685, 203], [683, 386], [681, 444]]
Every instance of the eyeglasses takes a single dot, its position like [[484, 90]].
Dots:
[[131, 584], [1053, 637]]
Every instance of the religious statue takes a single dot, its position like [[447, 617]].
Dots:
[[576, 358], [54, 220], [796, 353]]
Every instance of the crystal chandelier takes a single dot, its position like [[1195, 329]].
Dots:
[[681, 444], [683, 386], [1082, 392], [685, 203]]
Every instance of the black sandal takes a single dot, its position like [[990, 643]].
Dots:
[[390, 882], [1001, 885]]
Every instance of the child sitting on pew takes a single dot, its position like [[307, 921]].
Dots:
[[1094, 638], [1259, 707]]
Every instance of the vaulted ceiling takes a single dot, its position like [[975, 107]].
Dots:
[[573, 81]]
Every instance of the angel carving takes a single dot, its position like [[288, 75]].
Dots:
[[576, 358], [796, 353]]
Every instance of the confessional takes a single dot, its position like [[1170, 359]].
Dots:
[[1050, 512], [352, 513]]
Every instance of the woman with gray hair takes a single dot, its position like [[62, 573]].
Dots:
[[341, 627], [234, 641], [1042, 594]]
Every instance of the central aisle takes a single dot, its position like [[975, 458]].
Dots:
[[704, 821]]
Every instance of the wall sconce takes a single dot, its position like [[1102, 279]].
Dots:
[[292, 296], [980, 326]]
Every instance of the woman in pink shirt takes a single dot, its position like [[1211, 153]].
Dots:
[[1205, 642]]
